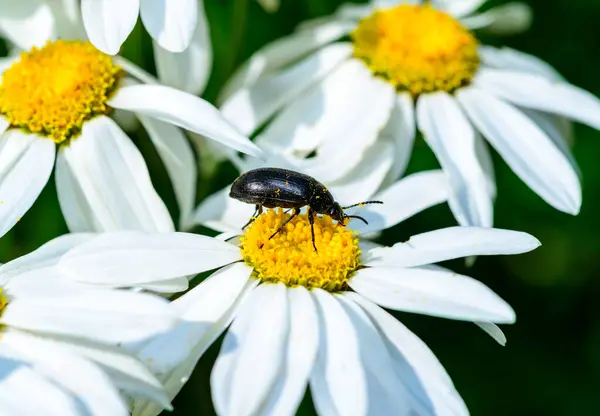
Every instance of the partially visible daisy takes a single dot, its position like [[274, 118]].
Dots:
[[300, 317], [60, 96], [59, 339], [406, 66]]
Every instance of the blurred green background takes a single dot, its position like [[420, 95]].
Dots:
[[551, 364]]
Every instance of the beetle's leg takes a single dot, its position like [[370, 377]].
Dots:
[[311, 220], [257, 212], [296, 212]]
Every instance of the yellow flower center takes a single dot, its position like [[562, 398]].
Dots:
[[53, 90], [289, 257], [417, 48]]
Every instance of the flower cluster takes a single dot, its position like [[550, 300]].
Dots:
[[113, 317]]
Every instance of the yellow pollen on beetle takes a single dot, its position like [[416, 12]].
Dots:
[[417, 48], [53, 90], [289, 257]]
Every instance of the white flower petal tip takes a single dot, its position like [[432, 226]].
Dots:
[[270, 6], [451, 243], [184, 110], [525, 147], [170, 22], [404, 199], [507, 19], [189, 70], [432, 291], [493, 331], [537, 92], [108, 23]]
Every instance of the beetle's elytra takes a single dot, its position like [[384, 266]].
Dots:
[[282, 188]]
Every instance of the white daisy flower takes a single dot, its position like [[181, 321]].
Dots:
[[62, 93], [405, 67], [59, 338], [300, 317]]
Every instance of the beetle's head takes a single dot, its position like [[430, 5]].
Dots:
[[337, 213]]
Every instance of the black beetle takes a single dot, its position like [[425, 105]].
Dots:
[[282, 188]]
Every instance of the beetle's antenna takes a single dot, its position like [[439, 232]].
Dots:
[[363, 203], [358, 217]]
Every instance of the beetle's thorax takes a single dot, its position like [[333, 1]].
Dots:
[[321, 200]]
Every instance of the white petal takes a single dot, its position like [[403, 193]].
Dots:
[[403, 199], [19, 380], [395, 399], [452, 138], [112, 316], [26, 162], [532, 91], [338, 380], [458, 8], [184, 110], [514, 60], [401, 129], [68, 23], [78, 376], [109, 22], [316, 118], [487, 165], [414, 363], [170, 22], [270, 6], [178, 284], [199, 310], [493, 331], [178, 157], [504, 20], [249, 107], [214, 301], [311, 118], [4, 123], [26, 23], [431, 292], [256, 338], [358, 11], [283, 51], [558, 129], [302, 346], [127, 372], [366, 178], [222, 213], [103, 183], [130, 258], [525, 148], [47, 255], [451, 243], [188, 70]]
